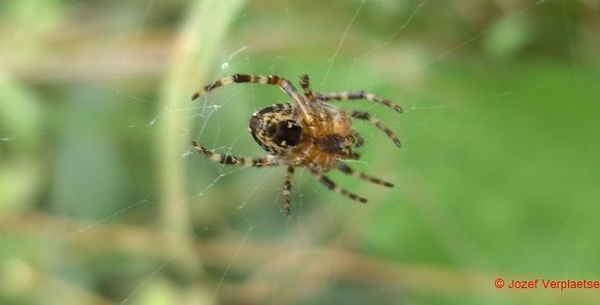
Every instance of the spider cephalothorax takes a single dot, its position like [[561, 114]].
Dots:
[[309, 132]]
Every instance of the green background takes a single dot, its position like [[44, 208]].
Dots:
[[102, 200]]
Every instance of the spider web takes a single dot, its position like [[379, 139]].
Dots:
[[497, 177]]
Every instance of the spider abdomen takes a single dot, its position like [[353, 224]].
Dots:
[[275, 128]]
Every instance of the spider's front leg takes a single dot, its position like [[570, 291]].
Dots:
[[349, 171], [377, 123], [335, 188], [358, 139], [357, 95]]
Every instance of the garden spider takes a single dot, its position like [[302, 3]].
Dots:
[[308, 133]]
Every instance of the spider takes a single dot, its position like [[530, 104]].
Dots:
[[308, 133]]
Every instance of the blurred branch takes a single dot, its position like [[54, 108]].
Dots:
[[192, 58], [303, 270]]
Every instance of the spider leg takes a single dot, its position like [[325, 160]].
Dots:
[[367, 117], [275, 80], [357, 95], [304, 83], [354, 156], [348, 170], [333, 187], [287, 187], [229, 159], [360, 141]]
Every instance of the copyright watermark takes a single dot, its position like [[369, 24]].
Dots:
[[499, 283], [547, 284]]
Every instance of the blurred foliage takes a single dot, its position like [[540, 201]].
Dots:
[[498, 174]]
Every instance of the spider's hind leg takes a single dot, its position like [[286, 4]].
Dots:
[[305, 84], [233, 160], [274, 80]]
